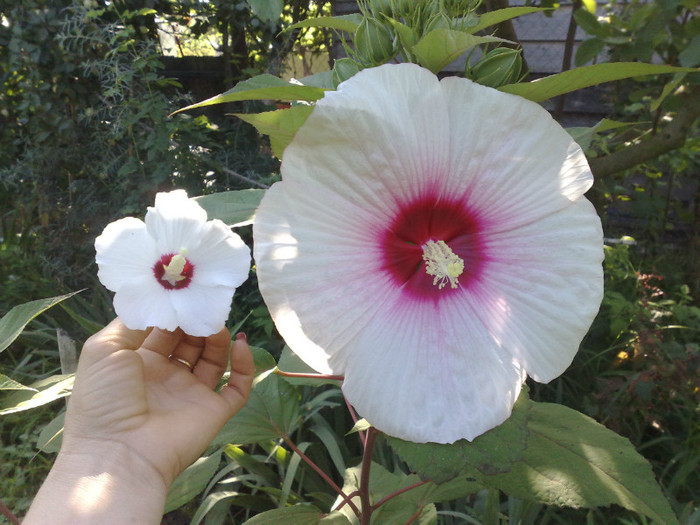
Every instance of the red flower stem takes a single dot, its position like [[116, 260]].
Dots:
[[308, 376], [320, 472], [5, 511], [353, 414], [397, 493], [364, 477]]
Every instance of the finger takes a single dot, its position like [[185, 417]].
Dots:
[[163, 342], [213, 358], [113, 337], [237, 390]]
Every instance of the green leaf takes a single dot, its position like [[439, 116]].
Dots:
[[263, 359], [14, 321], [235, 208], [588, 22], [584, 135], [588, 51], [7, 383], [490, 453], [690, 56], [348, 23], [302, 514], [501, 15], [192, 481], [586, 76], [43, 392], [442, 46], [271, 413], [262, 87], [280, 125], [51, 435], [574, 461], [267, 10], [290, 362]]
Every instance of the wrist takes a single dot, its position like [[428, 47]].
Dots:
[[99, 482]]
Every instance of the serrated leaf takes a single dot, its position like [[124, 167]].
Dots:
[[280, 125], [192, 481], [262, 87], [14, 321], [571, 460], [348, 23], [43, 392], [501, 15], [586, 76], [272, 412], [235, 208], [442, 46], [490, 453]]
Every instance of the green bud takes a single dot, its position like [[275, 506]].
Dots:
[[343, 69], [374, 42], [497, 68]]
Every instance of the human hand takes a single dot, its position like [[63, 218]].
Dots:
[[137, 418]]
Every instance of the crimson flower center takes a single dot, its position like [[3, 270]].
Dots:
[[433, 247], [173, 271]]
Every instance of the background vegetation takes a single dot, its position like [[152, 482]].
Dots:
[[86, 137]]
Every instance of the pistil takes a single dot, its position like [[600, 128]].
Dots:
[[442, 263]]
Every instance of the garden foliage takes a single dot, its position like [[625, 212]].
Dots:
[[91, 129]]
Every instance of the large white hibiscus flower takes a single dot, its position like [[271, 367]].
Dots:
[[430, 241], [174, 269]]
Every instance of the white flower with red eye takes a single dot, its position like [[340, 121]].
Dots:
[[173, 269], [430, 241]]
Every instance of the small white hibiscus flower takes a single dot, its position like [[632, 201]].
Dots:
[[174, 269], [430, 241]]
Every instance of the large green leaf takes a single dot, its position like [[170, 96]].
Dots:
[[280, 125], [192, 481], [583, 77], [41, 393], [302, 514], [271, 413], [7, 383], [262, 87], [14, 321], [501, 15], [442, 46], [574, 461], [51, 436], [348, 23], [267, 10], [490, 453], [235, 208]]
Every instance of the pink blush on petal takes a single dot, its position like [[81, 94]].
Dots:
[[419, 221]]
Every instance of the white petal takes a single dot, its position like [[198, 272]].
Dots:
[[515, 163], [379, 139], [202, 310], [176, 222], [431, 374], [125, 252], [315, 263], [542, 287], [144, 303], [222, 257]]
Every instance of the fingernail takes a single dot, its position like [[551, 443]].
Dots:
[[240, 336]]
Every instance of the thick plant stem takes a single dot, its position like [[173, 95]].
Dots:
[[366, 504]]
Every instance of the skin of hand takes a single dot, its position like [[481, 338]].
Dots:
[[136, 418]]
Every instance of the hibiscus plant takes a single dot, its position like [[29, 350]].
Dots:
[[428, 249]]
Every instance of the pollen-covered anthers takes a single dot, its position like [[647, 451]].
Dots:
[[174, 270], [441, 262]]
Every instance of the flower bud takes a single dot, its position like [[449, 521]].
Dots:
[[373, 42], [497, 68]]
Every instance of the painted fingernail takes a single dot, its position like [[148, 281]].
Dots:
[[240, 336]]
